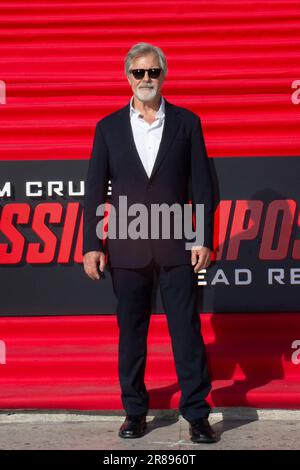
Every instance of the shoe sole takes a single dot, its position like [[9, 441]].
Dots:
[[137, 436], [203, 440]]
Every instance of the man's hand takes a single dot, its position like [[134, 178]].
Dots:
[[200, 257], [91, 261]]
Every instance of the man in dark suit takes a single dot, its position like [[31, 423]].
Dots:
[[153, 152]]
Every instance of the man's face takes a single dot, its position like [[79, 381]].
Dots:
[[147, 88]]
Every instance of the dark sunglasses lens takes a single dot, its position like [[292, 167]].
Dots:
[[138, 74], [154, 73]]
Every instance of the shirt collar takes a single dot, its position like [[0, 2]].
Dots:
[[159, 114]]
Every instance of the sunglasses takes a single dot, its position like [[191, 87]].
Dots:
[[140, 73]]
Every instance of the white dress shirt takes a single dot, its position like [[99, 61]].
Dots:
[[147, 136]]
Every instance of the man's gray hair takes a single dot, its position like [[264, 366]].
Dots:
[[144, 48]]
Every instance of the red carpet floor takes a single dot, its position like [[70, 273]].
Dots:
[[71, 362]]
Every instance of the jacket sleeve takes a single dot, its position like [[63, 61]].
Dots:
[[96, 186], [201, 181]]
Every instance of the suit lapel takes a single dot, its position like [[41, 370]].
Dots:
[[133, 156], [169, 132]]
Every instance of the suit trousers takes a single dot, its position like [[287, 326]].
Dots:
[[178, 287]]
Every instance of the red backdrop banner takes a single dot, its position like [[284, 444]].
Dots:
[[237, 65]]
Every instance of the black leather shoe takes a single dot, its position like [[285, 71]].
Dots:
[[133, 427], [201, 431]]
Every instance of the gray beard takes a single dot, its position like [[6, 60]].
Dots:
[[149, 97]]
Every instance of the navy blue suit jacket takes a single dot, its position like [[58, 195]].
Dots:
[[181, 172]]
